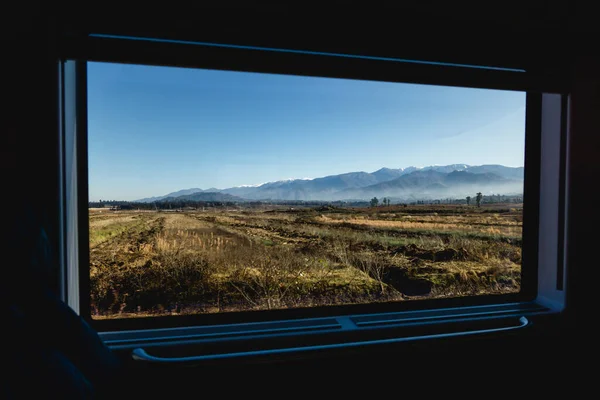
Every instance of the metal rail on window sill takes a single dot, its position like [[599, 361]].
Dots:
[[368, 326], [141, 355]]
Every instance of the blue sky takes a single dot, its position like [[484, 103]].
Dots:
[[155, 130]]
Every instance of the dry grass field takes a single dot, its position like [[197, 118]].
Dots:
[[146, 263]]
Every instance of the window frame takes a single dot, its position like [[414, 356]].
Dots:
[[190, 55]]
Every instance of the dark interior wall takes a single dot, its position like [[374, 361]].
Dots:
[[440, 32], [523, 35], [29, 136], [583, 178], [29, 150]]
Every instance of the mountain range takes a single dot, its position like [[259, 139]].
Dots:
[[401, 184]]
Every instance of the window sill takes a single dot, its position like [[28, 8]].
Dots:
[[193, 345]]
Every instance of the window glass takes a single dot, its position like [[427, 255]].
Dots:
[[218, 191]]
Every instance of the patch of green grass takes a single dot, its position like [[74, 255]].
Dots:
[[110, 231], [469, 278]]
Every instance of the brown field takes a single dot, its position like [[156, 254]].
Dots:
[[146, 263]]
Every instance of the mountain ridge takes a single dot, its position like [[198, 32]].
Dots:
[[454, 180]]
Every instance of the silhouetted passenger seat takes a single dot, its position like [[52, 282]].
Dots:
[[51, 351]]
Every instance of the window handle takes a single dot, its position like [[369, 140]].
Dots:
[[140, 354]]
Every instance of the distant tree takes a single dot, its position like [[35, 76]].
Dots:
[[478, 198], [374, 202], [468, 200]]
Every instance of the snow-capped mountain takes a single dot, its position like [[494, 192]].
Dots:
[[434, 181]]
